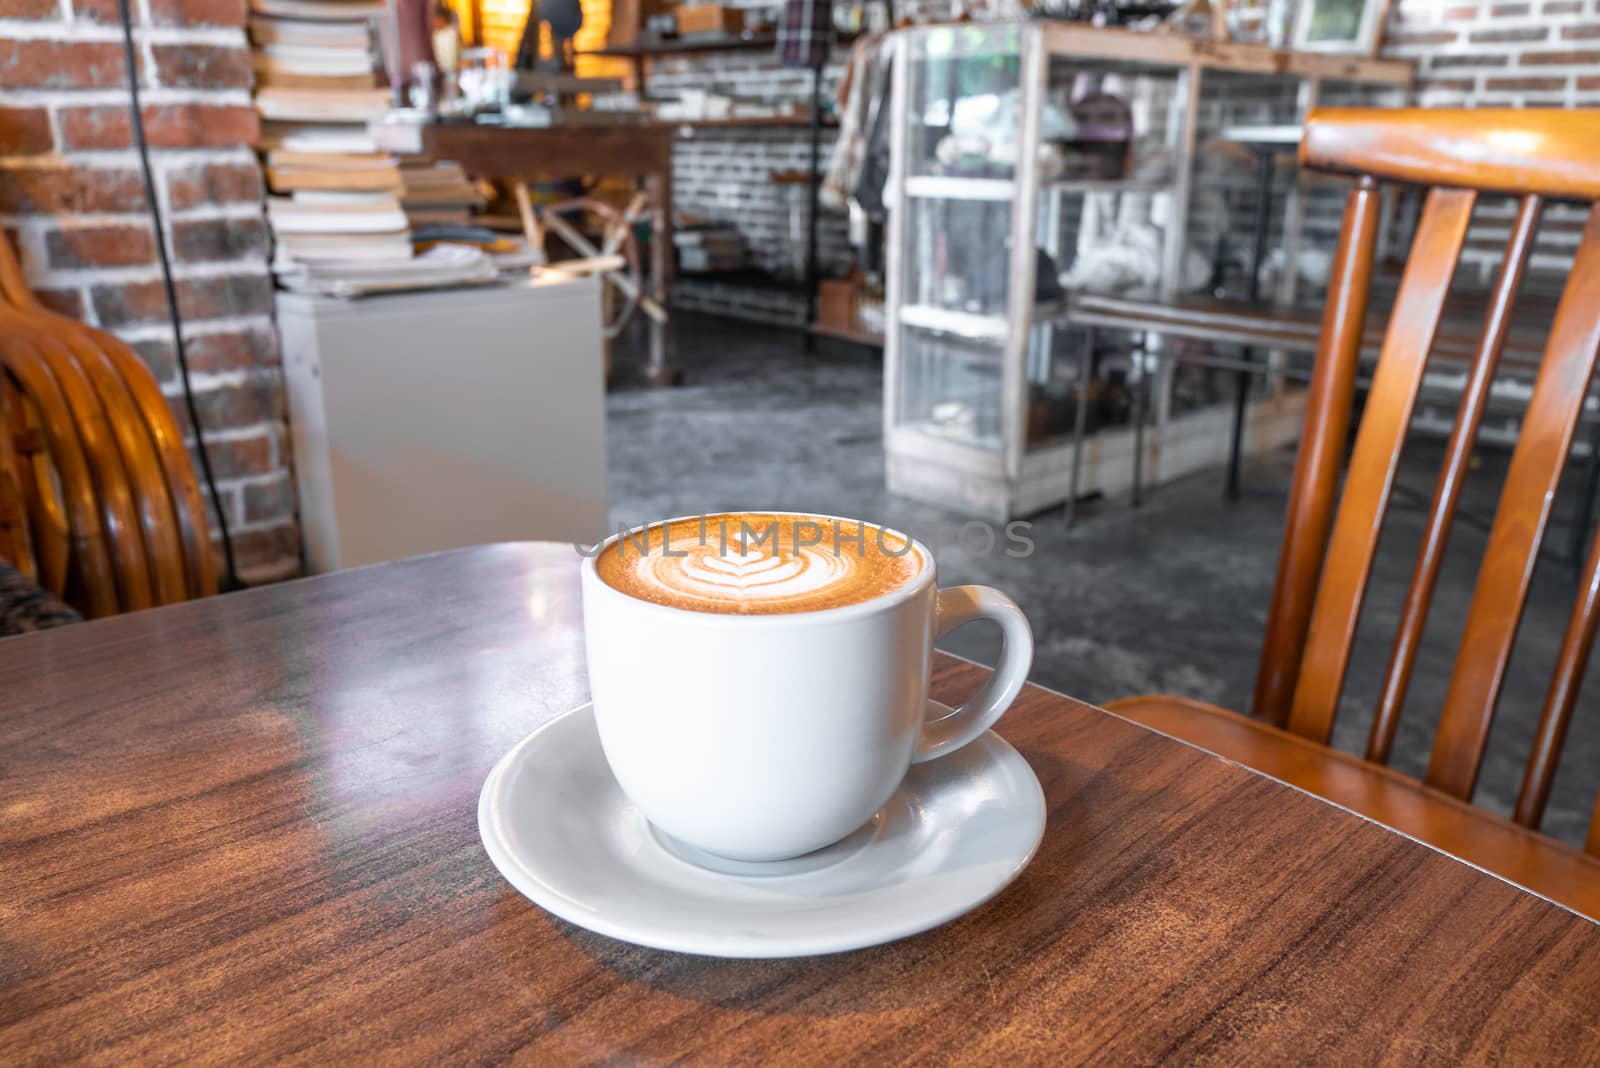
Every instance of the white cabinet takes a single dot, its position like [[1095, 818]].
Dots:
[[435, 420]]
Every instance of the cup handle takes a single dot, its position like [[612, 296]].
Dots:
[[963, 604]]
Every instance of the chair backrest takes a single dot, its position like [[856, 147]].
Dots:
[[95, 425], [1329, 544], [16, 541]]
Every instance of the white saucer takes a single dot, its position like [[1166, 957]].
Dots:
[[558, 827]]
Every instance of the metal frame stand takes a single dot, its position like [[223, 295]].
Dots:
[[1265, 164], [1080, 426], [813, 208]]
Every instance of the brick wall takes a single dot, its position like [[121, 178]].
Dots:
[[72, 198], [1527, 53], [725, 174]]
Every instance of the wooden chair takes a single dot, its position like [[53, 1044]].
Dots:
[[78, 392], [1329, 543], [58, 484], [16, 541]]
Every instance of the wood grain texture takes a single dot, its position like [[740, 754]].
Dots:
[[1461, 154], [1562, 700], [34, 395], [525, 152], [244, 828], [16, 544], [159, 475], [1316, 467], [109, 474], [1543, 446], [1447, 493], [1549, 151], [1375, 460]]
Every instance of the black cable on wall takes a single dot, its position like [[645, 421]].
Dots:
[[136, 120]]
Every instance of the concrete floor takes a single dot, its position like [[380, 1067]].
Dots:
[[1171, 597]]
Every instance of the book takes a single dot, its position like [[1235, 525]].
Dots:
[[332, 199], [437, 185], [324, 248], [291, 179], [345, 105], [431, 216], [319, 10], [293, 216], [316, 137], [321, 62], [439, 266], [265, 30], [319, 82], [341, 161]]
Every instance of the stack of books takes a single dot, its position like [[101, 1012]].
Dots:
[[335, 197], [435, 193]]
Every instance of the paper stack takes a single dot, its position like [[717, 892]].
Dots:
[[442, 265], [437, 193], [336, 197]]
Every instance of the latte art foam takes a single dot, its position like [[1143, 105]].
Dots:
[[758, 563]]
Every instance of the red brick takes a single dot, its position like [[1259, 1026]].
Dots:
[[197, 12], [258, 399], [99, 246], [104, 10], [1467, 59], [167, 12], [1506, 11], [1561, 59], [1580, 33], [192, 66], [1428, 37], [33, 9], [24, 131], [233, 350], [246, 457], [1445, 85], [39, 64], [166, 126], [1562, 7], [1589, 82], [1526, 85], [268, 500], [1460, 14], [275, 551], [213, 183], [65, 301], [219, 239], [59, 190], [1511, 36], [198, 298]]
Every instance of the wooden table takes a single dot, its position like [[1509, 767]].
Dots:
[[576, 151], [245, 827]]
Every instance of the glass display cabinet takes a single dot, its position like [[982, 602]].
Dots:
[[1015, 146]]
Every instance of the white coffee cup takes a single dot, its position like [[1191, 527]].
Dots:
[[765, 737]]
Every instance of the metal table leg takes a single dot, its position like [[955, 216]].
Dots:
[[1080, 425], [659, 186], [1258, 254], [1140, 401], [808, 340]]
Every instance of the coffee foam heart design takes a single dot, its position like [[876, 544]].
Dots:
[[760, 563]]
